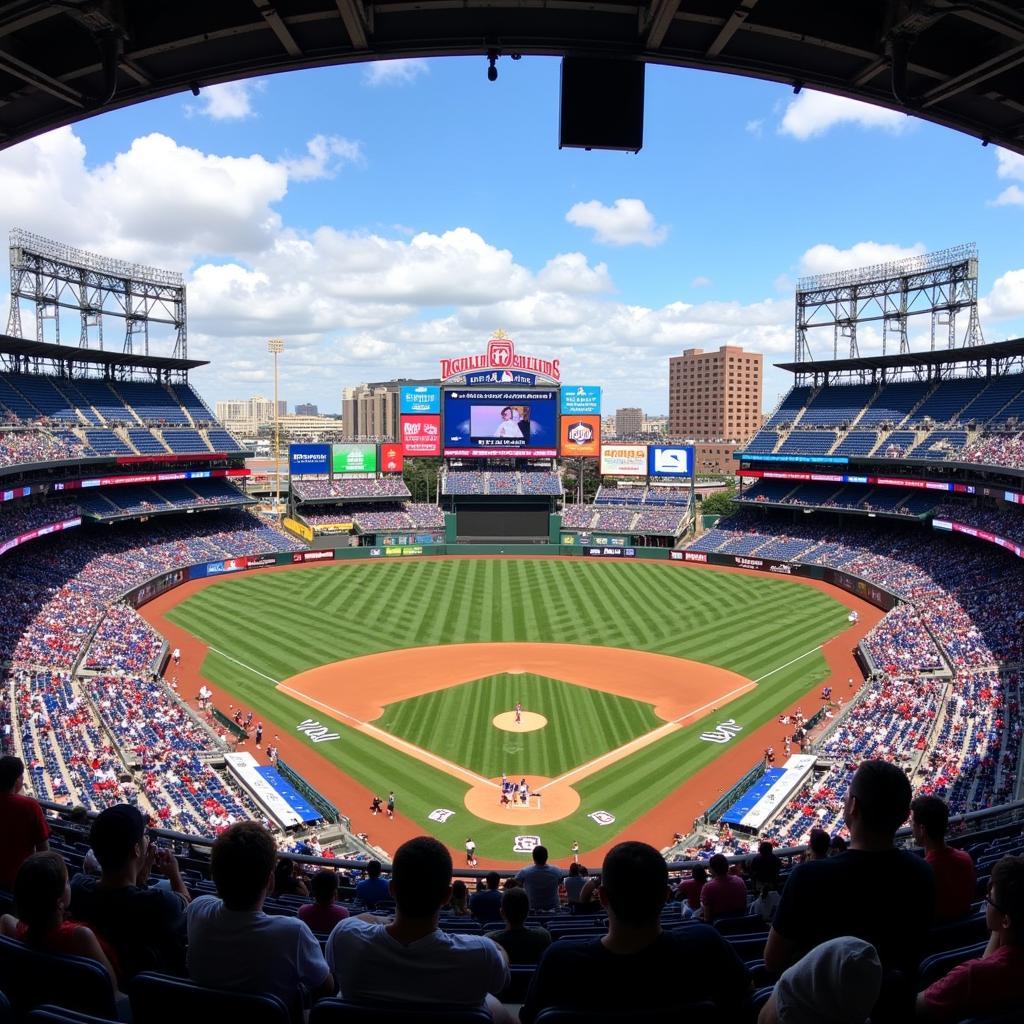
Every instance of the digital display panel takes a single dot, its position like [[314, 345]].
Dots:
[[491, 422]]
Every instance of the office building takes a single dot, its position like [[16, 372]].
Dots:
[[715, 396], [629, 422]]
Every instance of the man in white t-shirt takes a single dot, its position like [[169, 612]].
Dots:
[[471, 853], [233, 945], [541, 881], [408, 959]]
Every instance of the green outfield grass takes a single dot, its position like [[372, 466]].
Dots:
[[457, 724], [265, 628]]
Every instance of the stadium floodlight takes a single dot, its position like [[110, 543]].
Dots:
[[276, 346]]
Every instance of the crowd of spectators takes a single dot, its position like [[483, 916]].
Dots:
[[996, 449], [307, 489], [123, 642], [19, 447]]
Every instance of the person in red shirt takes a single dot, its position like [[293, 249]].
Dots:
[[724, 893], [23, 828], [323, 913], [690, 890], [955, 877], [994, 982]]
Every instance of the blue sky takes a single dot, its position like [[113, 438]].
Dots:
[[381, 216]]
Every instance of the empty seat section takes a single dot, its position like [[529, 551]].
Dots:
[[883, 499], [99, 395], [184, 441], [153, 402], [813, 494], [78, 401], [808, 442], [998, 393], [896, 445], [1014, 410], [763, 443], [940, 444], [106, 442], [893, 403], [146, 442], [194, 405], [43, 394], [222, 441], [14, 401], [943, 405], [768, 490], [836, 406], [919, 504], [857, 442], [791, 405]]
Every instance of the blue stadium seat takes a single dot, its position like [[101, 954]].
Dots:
[[938, 965], [341, 1011], [157, 998], [30, 978], [58, 1015], [519, 984]]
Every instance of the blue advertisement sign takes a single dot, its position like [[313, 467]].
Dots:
[[309, 459], [581, 400], [422, 398], [663, 460]]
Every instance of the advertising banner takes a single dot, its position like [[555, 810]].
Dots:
[[155, 587], [611, 552], [391, 457], [624, 460], [674, 461], [301, 529], [309, 459], [422, 398], [41, 531], [581, 400], [299, 557], [421, 435], [510, 422], [228, 565], [580, 437], [353, 458]]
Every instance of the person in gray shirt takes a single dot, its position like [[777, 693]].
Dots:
[[541, 881]]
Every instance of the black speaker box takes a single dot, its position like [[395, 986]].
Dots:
[[602, 104]]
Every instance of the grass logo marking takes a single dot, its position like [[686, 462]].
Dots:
[[316, 732], [723, 732]]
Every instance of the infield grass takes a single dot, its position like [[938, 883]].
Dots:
[[266, 628]]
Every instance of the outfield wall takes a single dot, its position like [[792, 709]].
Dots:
[[160, 584]]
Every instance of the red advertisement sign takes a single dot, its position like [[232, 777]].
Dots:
[[580, 436], [392, 458], [421, 435]]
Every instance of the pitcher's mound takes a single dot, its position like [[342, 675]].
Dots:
[[530, 721]]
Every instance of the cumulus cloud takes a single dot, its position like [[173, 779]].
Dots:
[[325, 154], [827, 259], [395, 72], [811, 114], [1006, 300], [1011, 196], [626, 222], [1009, 164], [231, 101]]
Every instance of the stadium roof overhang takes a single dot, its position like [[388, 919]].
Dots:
[[996, 352], [99, 357], [958, 64]]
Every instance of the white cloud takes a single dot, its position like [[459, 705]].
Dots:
[[1006, 300], [1011, 196], [627, 222], [813, 113], [827, 259], [700, 281], [570, 273], [755, 127], [325, 154], [395, 72], [1009, 164], [231, 101]]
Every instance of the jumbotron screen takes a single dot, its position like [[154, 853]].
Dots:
[[483, 422]]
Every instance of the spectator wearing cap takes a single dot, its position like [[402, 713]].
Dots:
[[233, 944], [409, 960], [994, 982], [637, 966], [523, 945], [838, 981], [323, 913], [955, 877], [723, 893], [23, 828], [144, 925], [872, 891]]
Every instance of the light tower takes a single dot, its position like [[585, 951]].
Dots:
[[275, 346]]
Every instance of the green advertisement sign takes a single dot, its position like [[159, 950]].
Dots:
[[353, 458]]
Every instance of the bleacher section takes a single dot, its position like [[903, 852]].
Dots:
[[501, 482], [113, 502], [863, 498]]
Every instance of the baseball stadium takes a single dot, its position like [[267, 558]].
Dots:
[[196, 642]]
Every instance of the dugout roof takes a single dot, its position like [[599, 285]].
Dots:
[[959, 64]]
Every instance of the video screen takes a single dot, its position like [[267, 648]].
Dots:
[[500, 423]]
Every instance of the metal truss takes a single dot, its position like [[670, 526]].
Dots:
[[941, 285], [51, 277]]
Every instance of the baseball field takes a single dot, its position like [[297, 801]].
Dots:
[[631, 677]]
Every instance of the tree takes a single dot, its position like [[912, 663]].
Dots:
[[721, 503]]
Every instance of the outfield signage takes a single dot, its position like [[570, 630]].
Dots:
[[501, 356], [353, 458], [670, 461], [422, 399], [40, 531], [581, 400], [421, 436], [309, 459], [950, 526], [610, 552], [580, 437], [624, 460], [392, 458], [834, 459]]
